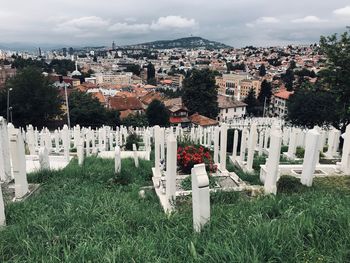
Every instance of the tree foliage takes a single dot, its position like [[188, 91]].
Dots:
[[88, 111], [262, 70], [157, 114], [33, 99], [200, 93], [253, 106], [311, 105], [265, 92], [137, 120], [151, 72]]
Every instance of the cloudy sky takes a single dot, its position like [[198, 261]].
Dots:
[[233, 22]]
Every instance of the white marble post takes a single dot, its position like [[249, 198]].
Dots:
[[223, 146], [44, 158], [235, 145], [292, 147], [271, 172], [216, 144], [157, 135], [171, 164], [200, 196], [66, 141], [345, 159], [117, 160], [5, 161], [80, 150], [2, 210], [136, 158], [243, 144], [253, 136], [310, 158], [18, 163], [261, 143], [162, 144], [333, 143], [31, 139]]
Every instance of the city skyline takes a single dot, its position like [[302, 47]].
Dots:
[[235, 23]]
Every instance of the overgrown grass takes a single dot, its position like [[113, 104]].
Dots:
[[78, 216]]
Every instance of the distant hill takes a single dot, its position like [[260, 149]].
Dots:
[[187, 42]]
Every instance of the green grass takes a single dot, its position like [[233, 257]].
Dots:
[[79, 216]]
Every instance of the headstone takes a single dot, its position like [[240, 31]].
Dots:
[[272, 162], [243, 144], [345, 159], [5, 161], [44, 158], [117, 160], [2, 210], [157, 134], [66, 142], [171, 164], [18, 163], [223, 146], [200, 196], [253, 136], [80, 150], [216, 144], [136, 158], [235, 145], [310, 157]]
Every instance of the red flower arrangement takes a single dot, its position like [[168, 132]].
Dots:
[[188, 156]]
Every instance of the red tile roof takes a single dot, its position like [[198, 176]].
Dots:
[[202, 120], [283, 94], [125, 103]]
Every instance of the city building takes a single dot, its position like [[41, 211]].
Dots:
[[230, 108], [278, 103]]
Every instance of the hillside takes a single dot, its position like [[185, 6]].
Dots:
[[187, 42]]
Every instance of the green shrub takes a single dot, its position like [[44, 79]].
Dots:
[[290, 184], [132, 139], [300, 152]]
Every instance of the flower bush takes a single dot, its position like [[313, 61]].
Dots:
[[188, 156]]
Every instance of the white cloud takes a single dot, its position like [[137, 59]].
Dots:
[[162, 23], [343, 12], [168, 22], [80, 24], [309, 19], [129, 28], [263, 21]]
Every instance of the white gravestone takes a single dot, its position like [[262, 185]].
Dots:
[[200, 196]]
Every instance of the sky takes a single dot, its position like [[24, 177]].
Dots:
[[233, 22]]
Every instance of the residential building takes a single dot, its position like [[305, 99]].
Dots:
[[279, 103], [230, 108]]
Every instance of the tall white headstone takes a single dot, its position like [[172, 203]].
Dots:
[[5, 161], [44, 158], [345, 159], [18, 163], [310, 157], [271, 171], [253, 137], [223, 146], [170, 175], [117, 160], [200, 196]]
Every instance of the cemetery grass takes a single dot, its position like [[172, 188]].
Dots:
[[79, 215]]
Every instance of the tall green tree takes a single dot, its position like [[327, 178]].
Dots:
[[86, 110], [200, 93], [288, 79], [151, 72], [312, 105], [32, 98], [262, 70], [157, 114], [265, 92], [335, 77], [253, 106]]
